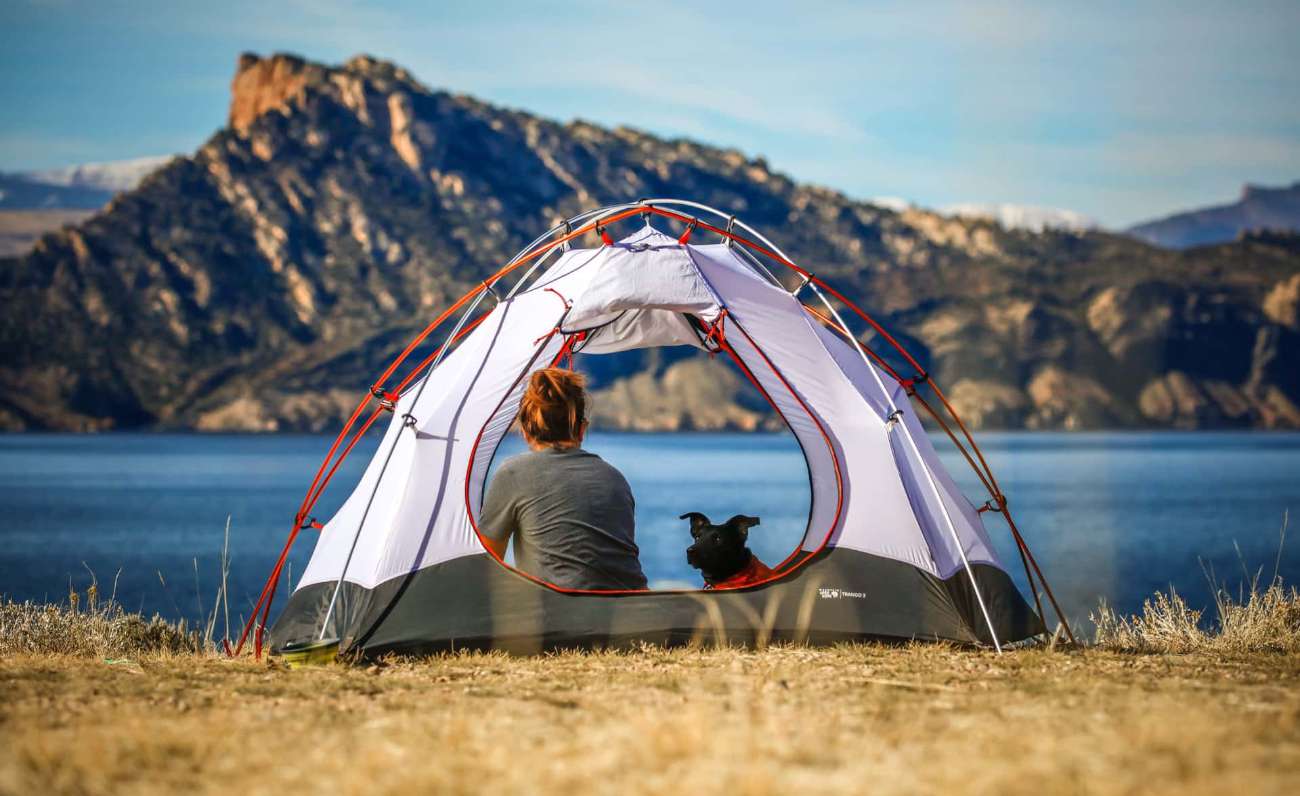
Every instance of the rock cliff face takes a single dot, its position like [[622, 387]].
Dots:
[[260, 283]]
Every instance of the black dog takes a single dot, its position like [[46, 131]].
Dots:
[[720, 554]]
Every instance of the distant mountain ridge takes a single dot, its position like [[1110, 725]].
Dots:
[[1259, 209], [114, 176], [262, 282], [19, 192], [87, 186]]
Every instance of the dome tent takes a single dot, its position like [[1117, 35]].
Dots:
[[891, 549]]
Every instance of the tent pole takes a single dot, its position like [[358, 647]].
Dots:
[[929, 478], [1021, 547], [356, 537]]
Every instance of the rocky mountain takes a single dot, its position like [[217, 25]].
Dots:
[[261, 282], [1258, 209]]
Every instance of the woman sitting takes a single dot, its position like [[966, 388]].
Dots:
[[569, 512]]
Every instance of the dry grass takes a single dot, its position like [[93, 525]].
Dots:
[[90, 627], [103, 632], [842, 720], [1256, 620], [75, 717], [1265, 621], [96, 701]]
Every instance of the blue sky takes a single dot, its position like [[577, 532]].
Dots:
[[1118, 110]]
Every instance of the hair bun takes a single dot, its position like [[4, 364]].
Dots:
[[553, 406]]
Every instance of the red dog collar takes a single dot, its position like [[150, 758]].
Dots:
[[753, 572]]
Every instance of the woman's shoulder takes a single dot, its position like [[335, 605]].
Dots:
[[595, 462], [528, 460], [546, 459]]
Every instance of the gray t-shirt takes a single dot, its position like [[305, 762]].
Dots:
[[571, 516]]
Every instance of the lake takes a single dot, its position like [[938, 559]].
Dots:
[[1109, 515]]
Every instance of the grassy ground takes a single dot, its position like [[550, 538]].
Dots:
[[94, 700], [850, 719]]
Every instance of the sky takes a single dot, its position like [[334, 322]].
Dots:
[[1122, 111]]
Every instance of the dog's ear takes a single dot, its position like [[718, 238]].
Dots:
[[698, 521], [742, 523]]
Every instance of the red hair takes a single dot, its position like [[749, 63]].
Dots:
[[554, 407]]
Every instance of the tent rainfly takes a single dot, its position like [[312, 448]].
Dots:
[[892, 549]]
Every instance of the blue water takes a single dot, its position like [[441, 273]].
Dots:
[[1114, 515]]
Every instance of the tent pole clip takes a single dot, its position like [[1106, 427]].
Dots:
[[996, 503], [309, 522], [894, 417], [910, 384], [387, 400], [731, 223], [686, 236], [808, 276], [491, 291], [408, 420]]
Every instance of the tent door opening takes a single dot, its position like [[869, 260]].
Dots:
[[705, 485]]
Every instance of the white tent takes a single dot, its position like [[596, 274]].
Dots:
[[891, 549]]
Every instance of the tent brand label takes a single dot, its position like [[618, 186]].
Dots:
[[840, 594]]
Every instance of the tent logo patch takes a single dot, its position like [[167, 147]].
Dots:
[[840, 594]]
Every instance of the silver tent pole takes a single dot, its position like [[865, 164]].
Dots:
[[929, 478]]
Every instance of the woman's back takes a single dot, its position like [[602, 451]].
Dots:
[[571, 515]]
